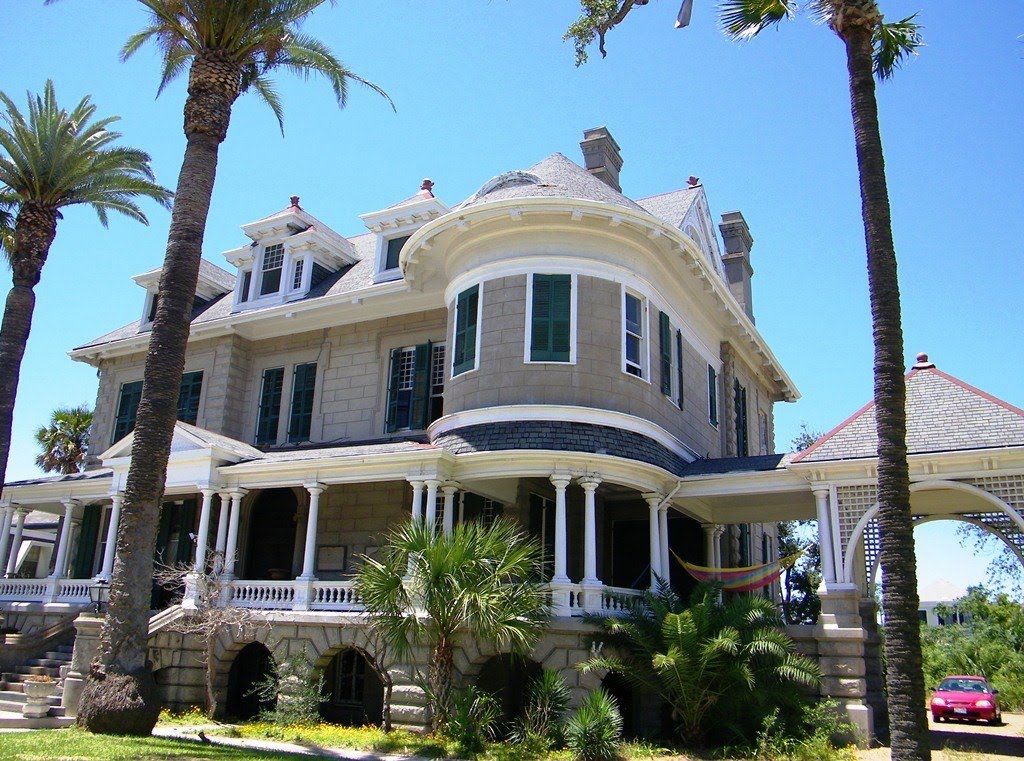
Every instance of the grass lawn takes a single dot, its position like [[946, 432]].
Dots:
[[77, 745]]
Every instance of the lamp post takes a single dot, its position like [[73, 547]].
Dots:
[[99, 595]]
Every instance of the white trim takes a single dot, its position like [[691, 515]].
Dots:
[[450, 361], [645, 335], [561, 412], [288, 363], [573, 319]]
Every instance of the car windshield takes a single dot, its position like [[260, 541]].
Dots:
[[964, 685]]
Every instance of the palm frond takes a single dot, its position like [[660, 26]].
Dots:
[[744, 19], [893, 43]]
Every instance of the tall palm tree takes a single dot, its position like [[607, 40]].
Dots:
[[228, 47], [429, 587], [64, 440], [874, 48], [52, 158]]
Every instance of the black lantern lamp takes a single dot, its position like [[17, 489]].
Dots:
[[99, 595]]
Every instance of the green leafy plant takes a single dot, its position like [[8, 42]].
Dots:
[[295, 689], [594, 729], [473, 720], [542, 724]]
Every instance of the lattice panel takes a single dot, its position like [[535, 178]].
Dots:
[[1010, 489], [853, 502]]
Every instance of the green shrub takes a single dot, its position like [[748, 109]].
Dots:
[[543, 721], [473, 720], [811, 738], [593, 731], [297, 689]]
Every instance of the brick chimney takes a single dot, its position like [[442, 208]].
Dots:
[[601, 156], [736, 258]]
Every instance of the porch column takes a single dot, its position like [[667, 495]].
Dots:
[[231, 548], [590, 485], [666, 565], [309, 549], [110, 548], [447, 520], [64, 541], [432, 485], [19, 530], [653, 501], [561, 550], [710, 542], [5, 534], [828, 564], [204, 530], [222, 521], [417, 499], [719, 530]]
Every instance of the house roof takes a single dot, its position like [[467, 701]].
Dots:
[[672, 206], [944, 414], [208, 271], [724, 465], [87, 475]]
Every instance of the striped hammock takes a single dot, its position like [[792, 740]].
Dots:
[[741, 579]]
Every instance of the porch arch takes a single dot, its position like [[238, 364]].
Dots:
[[858, 531]]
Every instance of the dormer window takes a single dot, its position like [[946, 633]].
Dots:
[[154, 302], [394, 250], [396, 224], [273, 263], [244, 286]]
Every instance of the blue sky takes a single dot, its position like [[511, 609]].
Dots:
[[483, 86]]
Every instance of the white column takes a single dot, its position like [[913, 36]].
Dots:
[[666, 566], [19, 530], [653, 500], [5, 534], [222, 521], [432, 485], [309, 549], [590, 485], [462, 507], [116, 500], [64, 540], [449, 491], [204, 530], [719, 530], [561, 539], [231, 548], [417, 500], [825, 542], [710, 539]]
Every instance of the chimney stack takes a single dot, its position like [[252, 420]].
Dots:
[[736, 258], [601, 156]]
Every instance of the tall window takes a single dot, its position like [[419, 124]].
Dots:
[[303, 387], [297, 274], [127, 409], [188, 397], [243, 294], [712, 396], [269, 415], [395, 246], [665, 349], [680, 394], [742, 432], [273, 263], [415, 387], [633, 335], [467, 308], [551, 318]]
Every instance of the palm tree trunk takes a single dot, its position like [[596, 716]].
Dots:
[[442, 666], [34, 231], [905, 679], [128, 703]]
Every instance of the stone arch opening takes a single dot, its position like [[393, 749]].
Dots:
[[354, 688], [271, 542], [508, 678], [251, 666]]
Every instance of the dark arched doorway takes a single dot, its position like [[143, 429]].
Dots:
[[355, 689], [253, 664], [508, 678], [644, 713], [272, 535]]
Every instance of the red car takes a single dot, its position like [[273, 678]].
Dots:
[[966, 697]]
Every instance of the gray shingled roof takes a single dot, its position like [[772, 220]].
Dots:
[[87, 475], [208, 271], [944, 414], [342, 451], [671, 207], [723, 465]]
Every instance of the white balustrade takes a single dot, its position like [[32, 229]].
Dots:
[[335, 595], [269, 595], [24, 590], [73, 590]]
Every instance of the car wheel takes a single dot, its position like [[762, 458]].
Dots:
[[936, 719]]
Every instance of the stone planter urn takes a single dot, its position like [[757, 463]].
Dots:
[[37, 704]]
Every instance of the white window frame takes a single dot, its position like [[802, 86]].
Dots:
[[573, 321], [450, 355], [645, 338], [445, 372], [283, 279], [718, 396], [381, 274]]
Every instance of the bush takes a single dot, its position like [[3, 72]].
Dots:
[[811, 739], [592, 733], [473, 720], [542, 725], [297, 690]]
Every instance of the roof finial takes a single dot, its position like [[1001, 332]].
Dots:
[[923, 363], [428, 185], [295, 202], [693, 181]]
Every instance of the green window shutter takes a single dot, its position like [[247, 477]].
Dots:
[[127, 409], [679, 368], [421, 387], [551, 318], [465, 330], [665, 345], [188, 397], [270, 406], [712, 396], [303, 389], [186, 527], [740, 408], [391, 419], [87, 535]]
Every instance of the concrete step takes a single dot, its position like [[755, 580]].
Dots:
[[12, 719], [58, 655], [12, 696], [52, 663]]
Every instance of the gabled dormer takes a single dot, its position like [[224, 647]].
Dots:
[[396, 224], [291, 252], [212, 283]]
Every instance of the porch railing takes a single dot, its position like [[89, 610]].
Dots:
[[71, 591]]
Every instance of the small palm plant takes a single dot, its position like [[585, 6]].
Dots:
[[594, 730], [64, 440], [709, 661], [429, 587]]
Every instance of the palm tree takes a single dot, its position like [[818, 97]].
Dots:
[[429, 587], [715, 664], [50, 159], [64, 440], [228, 47], [873, 48]]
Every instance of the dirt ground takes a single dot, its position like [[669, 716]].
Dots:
[[961, 741]]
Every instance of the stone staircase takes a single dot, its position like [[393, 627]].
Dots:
[[54, 663]]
